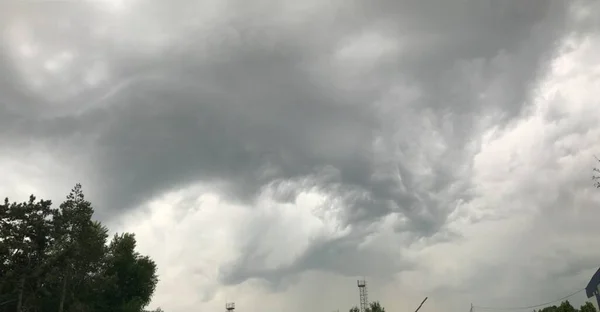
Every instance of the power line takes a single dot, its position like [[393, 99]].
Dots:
[[531, 306]]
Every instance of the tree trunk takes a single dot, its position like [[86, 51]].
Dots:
[[21, 289], [2, 283], [63, 293]]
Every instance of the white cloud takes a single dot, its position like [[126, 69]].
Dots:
[[193, 233]]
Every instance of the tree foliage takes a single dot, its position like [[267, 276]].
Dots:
[[373, 307], [60, 259], [566, 306], [587, 307]]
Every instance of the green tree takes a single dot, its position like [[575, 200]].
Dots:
[[6, 252], [587, 307], [566, 306], [59, 260], [26, 234], [80, 243], [131, 278], [375, 307], [549, 309]]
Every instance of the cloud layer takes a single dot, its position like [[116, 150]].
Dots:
[[279, 150]]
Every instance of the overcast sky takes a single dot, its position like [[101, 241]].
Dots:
[[272, 152]]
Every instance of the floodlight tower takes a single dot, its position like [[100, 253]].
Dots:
[[362, 290], [230, 306]]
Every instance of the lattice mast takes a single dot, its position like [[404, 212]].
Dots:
[[362, 290]]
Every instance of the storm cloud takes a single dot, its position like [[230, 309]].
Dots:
[[377, 117]]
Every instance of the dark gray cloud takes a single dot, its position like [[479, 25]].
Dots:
[[257, 100]]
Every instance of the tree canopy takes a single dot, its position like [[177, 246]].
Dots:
[[60, 259], [566, 306], [373, 307]]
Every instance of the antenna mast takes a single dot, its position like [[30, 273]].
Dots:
[[362, 290]]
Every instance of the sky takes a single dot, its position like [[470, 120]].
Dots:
[[270, 153]]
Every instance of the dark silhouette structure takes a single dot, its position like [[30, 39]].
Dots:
[[364, 300], [230, 306], [592, 287]]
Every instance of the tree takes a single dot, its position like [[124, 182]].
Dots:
[[587, 307], [26, 235], [132, 277], [549, 309], [375, 307], [566, 306], [80, 241], [5, 247], [59, 260]]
